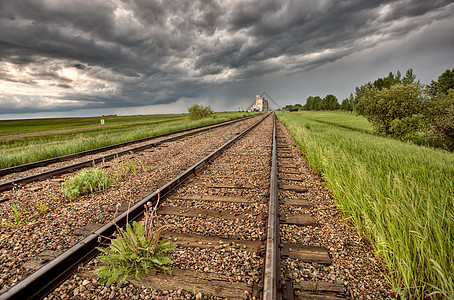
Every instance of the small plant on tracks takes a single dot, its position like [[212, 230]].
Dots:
[[135, 250], [18, 220], [122, 169]]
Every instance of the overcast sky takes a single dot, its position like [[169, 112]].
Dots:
[[94, 57]]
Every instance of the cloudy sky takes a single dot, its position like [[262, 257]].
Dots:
[[93, 57]]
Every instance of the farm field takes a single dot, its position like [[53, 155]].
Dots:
[[9, 127], [22, 150], [398, 195], [339, 119]]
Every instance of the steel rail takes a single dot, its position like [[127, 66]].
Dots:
[[47, 278], [49, 161], [271, 277], [22, 181]]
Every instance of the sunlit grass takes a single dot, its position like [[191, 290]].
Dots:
[[399, 195], [18, 151]]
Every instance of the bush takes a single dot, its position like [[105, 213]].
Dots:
[[394, 111], [197, 112], [87, 181], [408, 128]]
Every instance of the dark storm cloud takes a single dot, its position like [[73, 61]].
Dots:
[[138, 52]]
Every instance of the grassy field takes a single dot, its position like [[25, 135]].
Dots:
[[8, 127], [399, 195], [17, 151]]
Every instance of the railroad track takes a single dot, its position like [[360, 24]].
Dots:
[[232, 219], [21, 175]]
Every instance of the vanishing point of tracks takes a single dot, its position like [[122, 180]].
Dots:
[[232, 215]]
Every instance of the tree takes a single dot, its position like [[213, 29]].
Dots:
[[309, 103], [396, 111], [347, 103], [197, 112], [444, 83], [331, 102], [441, 117], [409, 77], [317, 103]]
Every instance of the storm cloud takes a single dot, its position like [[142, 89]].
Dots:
[[66, 55]]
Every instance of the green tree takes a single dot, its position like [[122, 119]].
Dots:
[[409, 78], [395, 111], [347, 103], [197, 112], [441, 117], [309, 103], [331, 102], [444, 83], [317, 103]]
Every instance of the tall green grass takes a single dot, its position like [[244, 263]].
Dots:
[[17, 151], [397, 194]]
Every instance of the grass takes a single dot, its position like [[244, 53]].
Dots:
[[18, 151], [399, 195], [87, 181]]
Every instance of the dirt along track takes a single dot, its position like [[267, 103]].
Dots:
[[218, 220]]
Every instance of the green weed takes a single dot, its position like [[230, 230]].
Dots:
[[42, 207], [135, 250], [87, 181], [122, 169], [18, 220]]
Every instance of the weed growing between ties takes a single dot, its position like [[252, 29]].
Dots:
[[87, 181], [18, 219], [398, 194], [122, 169], [42, 207], [135, 250]]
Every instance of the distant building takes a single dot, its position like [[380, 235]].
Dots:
[[261, 104]]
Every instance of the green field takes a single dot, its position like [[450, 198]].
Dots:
[[8, 127], [399, 195], [22, 150]]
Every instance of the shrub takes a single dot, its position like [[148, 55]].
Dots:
[[135, 249], [87, 181], [197, 112]]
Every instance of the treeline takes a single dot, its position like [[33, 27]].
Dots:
[[330, 102], [400, 107]]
